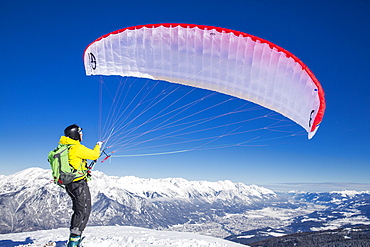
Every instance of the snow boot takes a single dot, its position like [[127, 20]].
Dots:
[[74, 241]]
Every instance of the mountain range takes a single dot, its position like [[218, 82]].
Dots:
[[238, 212]]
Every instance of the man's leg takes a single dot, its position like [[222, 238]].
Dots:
[[81, 200]]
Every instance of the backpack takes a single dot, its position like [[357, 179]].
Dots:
[[63, 173]]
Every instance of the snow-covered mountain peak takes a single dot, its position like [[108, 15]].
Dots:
[[31, 177], [349, 193], [178, 188], [124, 188]]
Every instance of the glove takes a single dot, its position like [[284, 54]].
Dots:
[[99, 143]]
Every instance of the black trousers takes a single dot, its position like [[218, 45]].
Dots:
[[81, 200]]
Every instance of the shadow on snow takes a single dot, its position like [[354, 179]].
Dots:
[[11, 243]]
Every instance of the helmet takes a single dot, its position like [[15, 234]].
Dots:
[[73, 131]]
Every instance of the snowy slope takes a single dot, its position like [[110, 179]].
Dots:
[[115, 236]]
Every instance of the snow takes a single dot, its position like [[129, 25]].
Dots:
[[115, 236], [349, 193], [275, 234], [246, 236], [279, 213], [337, 223]]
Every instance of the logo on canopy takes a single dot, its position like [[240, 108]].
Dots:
[[92, 61]]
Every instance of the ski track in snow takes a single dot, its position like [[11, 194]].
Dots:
[[114, 236]]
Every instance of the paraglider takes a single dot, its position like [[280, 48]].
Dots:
[[213, 58]]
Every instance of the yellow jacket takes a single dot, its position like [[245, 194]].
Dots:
[[78, 154]]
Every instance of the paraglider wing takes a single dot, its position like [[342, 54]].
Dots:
[[216, 59]]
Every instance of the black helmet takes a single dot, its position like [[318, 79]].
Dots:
[[73, 131]]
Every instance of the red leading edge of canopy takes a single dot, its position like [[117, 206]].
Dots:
[[321, 94]]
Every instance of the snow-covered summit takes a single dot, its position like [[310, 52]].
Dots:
[[350, 193], [31, 177], [155, 189], [178, 188]]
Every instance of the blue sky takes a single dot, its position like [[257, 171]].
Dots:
[[44, 87]]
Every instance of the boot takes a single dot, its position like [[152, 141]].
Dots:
[[74, 241]]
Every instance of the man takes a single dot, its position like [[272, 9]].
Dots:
[[78, 190]]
